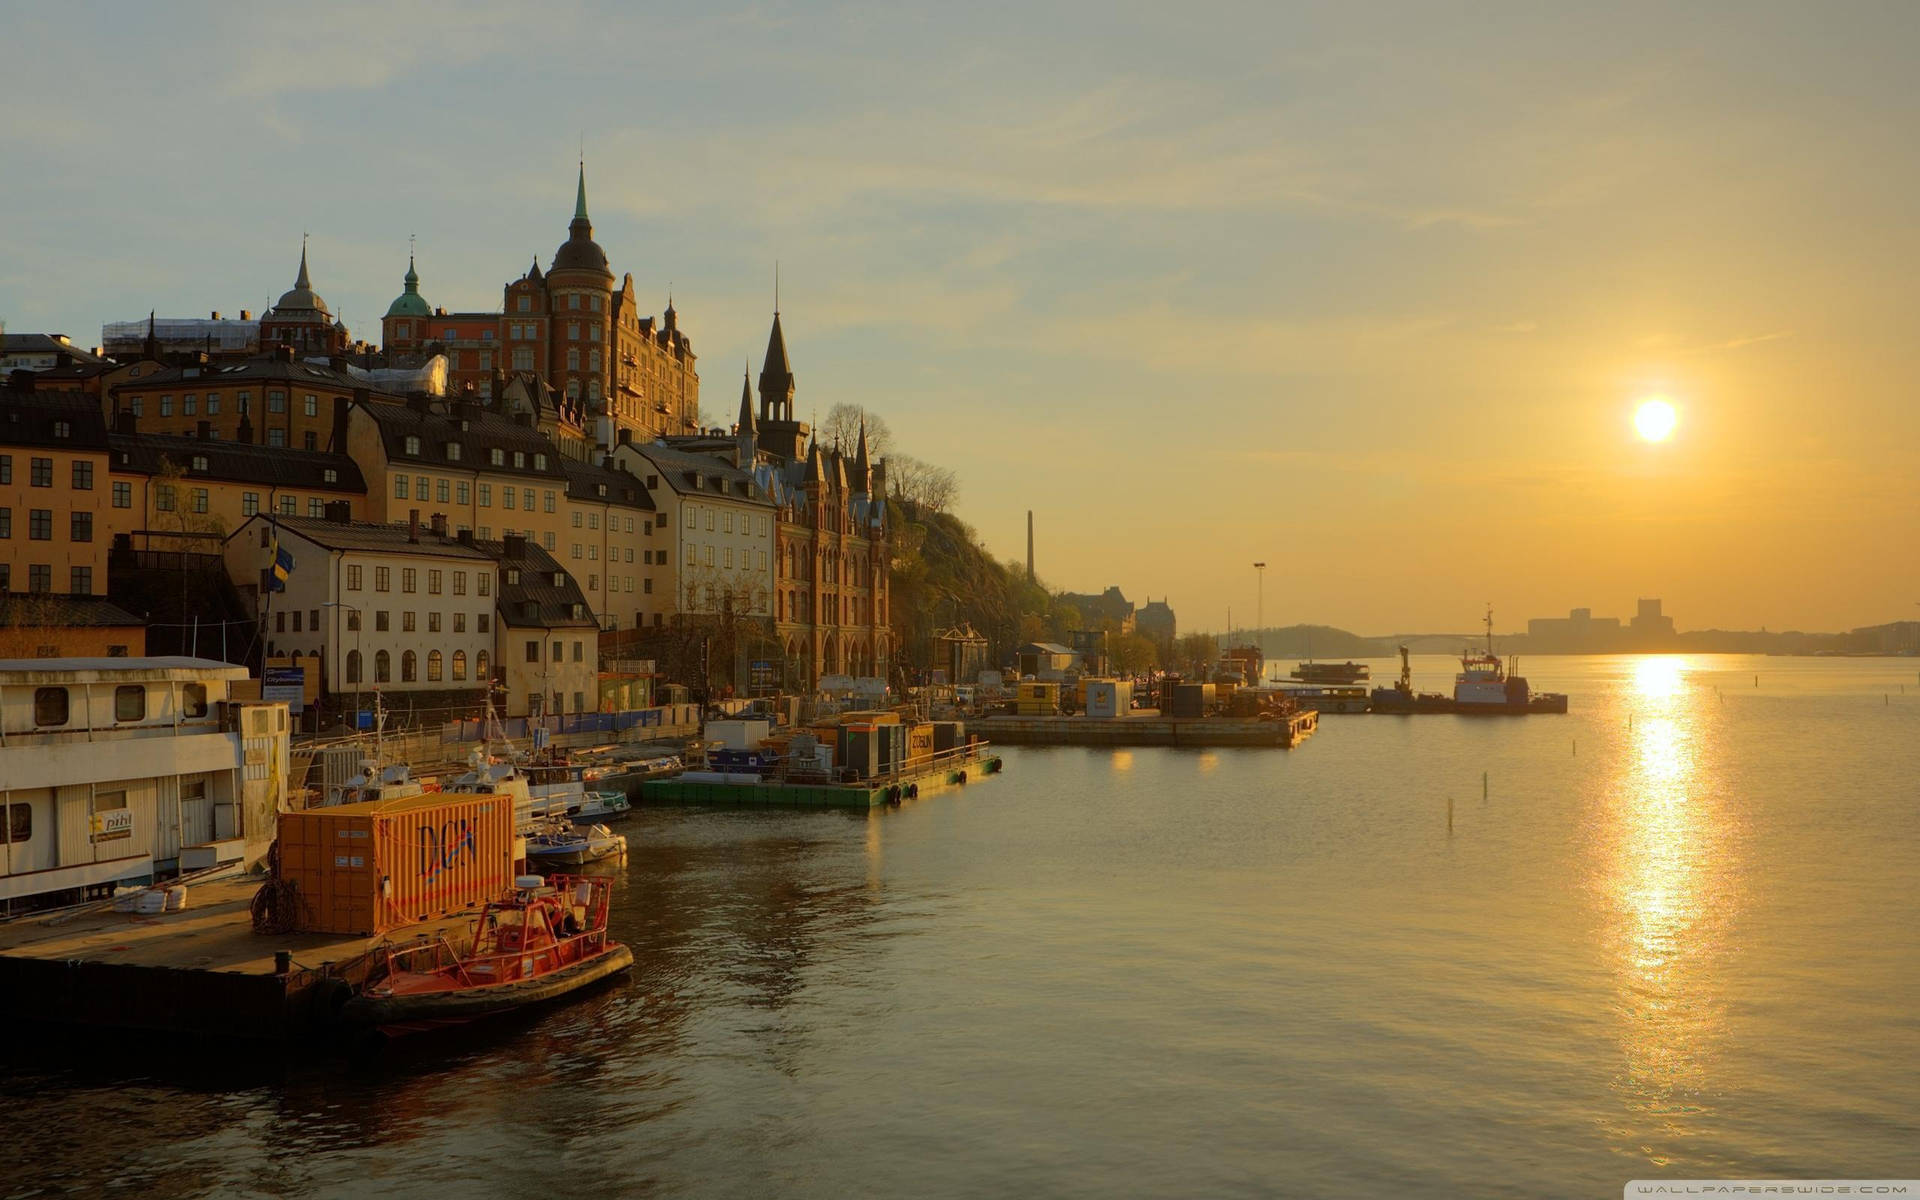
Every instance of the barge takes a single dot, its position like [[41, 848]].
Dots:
[[1146, 727]]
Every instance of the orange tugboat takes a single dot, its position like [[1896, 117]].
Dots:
[[546, 938]]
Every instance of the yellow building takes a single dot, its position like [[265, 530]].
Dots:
[[53, 494]]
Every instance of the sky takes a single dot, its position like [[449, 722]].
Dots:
[[1369, 293]]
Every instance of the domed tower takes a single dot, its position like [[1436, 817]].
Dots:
[[405, 327], [580, 298], [300, 319]]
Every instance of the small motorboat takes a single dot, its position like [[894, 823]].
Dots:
[[601, 806], [544, 939], [563, 844]]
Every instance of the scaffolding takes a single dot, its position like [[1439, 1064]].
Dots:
[[122, 339]]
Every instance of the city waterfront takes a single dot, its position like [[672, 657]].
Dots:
[[1668, 934]]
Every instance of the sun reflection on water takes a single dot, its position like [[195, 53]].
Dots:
[[1671, 879]]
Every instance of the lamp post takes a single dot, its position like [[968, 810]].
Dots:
[[358, 621], [1260, 609]]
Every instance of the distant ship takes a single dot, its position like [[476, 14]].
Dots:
[[1485, 686], [1346, 672]]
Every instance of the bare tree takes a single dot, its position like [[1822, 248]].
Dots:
[[933, 489], [842, 428]]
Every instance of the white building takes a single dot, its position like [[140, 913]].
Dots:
[[721, 526], [402, 608], [548, 638], [121, 769]]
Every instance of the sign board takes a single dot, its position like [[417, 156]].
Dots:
[[284, 683], [110, 825], [761, 673], [629, 666]]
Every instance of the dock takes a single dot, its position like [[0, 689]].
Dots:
[[947, 771], [1147, 728], [201, 971]]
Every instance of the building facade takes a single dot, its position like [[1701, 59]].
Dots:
[[548, 644], [53, 494]]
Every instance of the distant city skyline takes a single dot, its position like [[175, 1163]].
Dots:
[[1370, 298]]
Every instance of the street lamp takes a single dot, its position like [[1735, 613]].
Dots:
[[359, 620], [1260, 610]]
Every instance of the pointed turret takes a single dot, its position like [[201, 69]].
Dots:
[[580, 197], [302, 297], [776, 377], [580, 252], [862, 472], [150, 348], [409, 303], [745, 424]]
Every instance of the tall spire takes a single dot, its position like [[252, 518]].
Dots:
[[580, 198], [776, 377], [862, 473], [302, 283], [746, 403]]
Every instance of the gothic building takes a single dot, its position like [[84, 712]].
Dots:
[[575, 326]]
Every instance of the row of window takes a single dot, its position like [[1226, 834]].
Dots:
[[40, 578], [559, 651], [40, 525], [382, 621], [52, 707], [410, 666], [751, 524], [40, 470], [525, 303], [749, 559], [410, 579]]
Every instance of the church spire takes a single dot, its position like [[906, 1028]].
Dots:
[[776, 378], [580, 197], [303, 283], [862, 473], [746, 404]]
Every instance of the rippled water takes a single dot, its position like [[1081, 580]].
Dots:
[[1676, 937]]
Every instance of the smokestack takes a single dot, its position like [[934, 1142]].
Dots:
[[413, 525], [1029, 545]]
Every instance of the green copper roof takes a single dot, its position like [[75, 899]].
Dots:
[[580, 200], [409, 303]]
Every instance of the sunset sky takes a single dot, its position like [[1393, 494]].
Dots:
[[1370, 295]]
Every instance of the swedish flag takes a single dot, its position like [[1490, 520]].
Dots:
[[282, 565]]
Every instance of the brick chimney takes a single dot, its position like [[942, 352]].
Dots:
[[125, 422], [439, 524], [340, 512], [204, 431], [515, 544], [413, 525]]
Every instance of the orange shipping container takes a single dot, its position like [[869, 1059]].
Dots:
[[369, 868]]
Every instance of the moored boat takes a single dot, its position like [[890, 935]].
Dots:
[[562, 844], [543, 940], [1486, 685]]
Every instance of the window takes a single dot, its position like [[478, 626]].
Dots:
[[189, 405], [453, 451], [524, 304], [311, 441], [245, 400], [593, 521], [441, 491], [20, 822], [522, 357], [312, 405], [353, 666], [486, 495], [213, 404], [483, 623], [6, 468], [433, 583], [40, 524], [693, 517], [557, 655], [576, 549], [409, 666], [382, 666], [462, 492], [383, 579], [485, 584], [507, 496], [166, 406], [709, 555], [593, 302], [578, 519], [433, 664], [497, 457], [709, 520], [200, 500], [39, 577], [80, 581], [433, 622], [193, 699], [330, 475], [276, 436], [578, 650], [6, 522], [420, 488], [130, 703], [400, 487], [249, 503], [406, 621], [381, 620], [316, 507], [459, 622], [276, 402], [50, 706], [520, 460], [288, 506], [573, 301], [546, 539], [573, 358], [693, 556], [593, 553], [409, 577], [459, 583], [533, 651], [353, 620], [547, 500], [459, 666], [42, 472], [83, 476]]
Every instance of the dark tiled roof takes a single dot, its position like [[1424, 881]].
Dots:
[[551, 603], [586, 482], [241, 462], [52, 609], [485, 432], [31, 418], [45, 343], [679, 469], [262, 369], [368, 536]]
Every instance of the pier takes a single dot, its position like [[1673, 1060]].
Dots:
[[1147, 728]]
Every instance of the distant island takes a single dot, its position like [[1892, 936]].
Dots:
[[1329, 642]]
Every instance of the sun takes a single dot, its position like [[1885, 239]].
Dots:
[[1655, 419]]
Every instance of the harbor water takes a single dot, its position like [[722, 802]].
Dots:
[[1672, 933]]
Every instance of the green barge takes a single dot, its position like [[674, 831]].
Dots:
[[946, 771]]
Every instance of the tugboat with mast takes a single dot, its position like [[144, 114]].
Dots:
[[1486, 685]]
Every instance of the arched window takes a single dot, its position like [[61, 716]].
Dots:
[[480, 667], [296, 658], [409, 666], [459, 666], [353, 666], [383, 667], [433, 666]]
